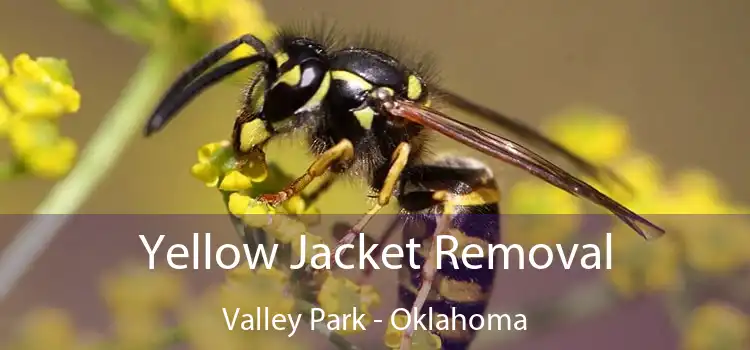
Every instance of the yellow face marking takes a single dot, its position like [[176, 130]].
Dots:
[[281, 58], [252, 134], [413, 88], [257, 96], [351, 78], [365, 117], [291, 77]]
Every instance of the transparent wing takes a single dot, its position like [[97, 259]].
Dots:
[[519, 156], [532, 137]]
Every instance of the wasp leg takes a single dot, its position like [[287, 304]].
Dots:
[[429, 271], [325, 185], [341, 152], [398, 163]]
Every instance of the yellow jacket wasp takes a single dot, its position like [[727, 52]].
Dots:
[[366, 114]]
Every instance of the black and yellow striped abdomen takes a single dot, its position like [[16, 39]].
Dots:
[[466, 189]]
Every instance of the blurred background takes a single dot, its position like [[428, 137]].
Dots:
[[675, 71]]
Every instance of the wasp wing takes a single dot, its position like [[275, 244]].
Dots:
[[529, 135], [519, 156]]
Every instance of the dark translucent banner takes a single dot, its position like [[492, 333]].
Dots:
[[514, 281]]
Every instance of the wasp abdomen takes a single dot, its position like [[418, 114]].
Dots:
[[462, 286]]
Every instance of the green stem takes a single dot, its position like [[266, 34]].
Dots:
[[121, 124]]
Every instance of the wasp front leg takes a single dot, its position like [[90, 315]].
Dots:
[[342, 152]]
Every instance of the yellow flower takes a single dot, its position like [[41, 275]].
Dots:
[[199, 10], [640, 266], [53, 161], [244, 17], [421, 339], [6, 117], [216, 161], [540, 214], [297, 206], [208, 169], [715, 243], [4, 69], [41, 148], [206, 173], [248, 290], [138, 329], [207, 152], [137, 299], [48, 329], [294, 205], [717, 326], [42, 87], [136, 289], [261, 288], [342, 296], [596, 136], [643, 173], [697, 192], [235, 181]]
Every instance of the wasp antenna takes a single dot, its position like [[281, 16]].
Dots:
[[170, 107], [186, 87]]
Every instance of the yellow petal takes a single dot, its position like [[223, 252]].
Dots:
[[295, 205], [201, 11], [69, 98], [207, 151], [246, 17], [48, 329], [205, 172], [235, 181], [5, 117], [25, 66], [717, 326], [4, 69], [596, 136], [537, 197], [392, 338], [36, 98], [238, 204], [27, 135], [54, 161]]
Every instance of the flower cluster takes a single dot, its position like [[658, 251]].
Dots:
[[706, 237], [241, 181], [339, 296], [229, 18], [716, 325], [37, 92], [248, 290]]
